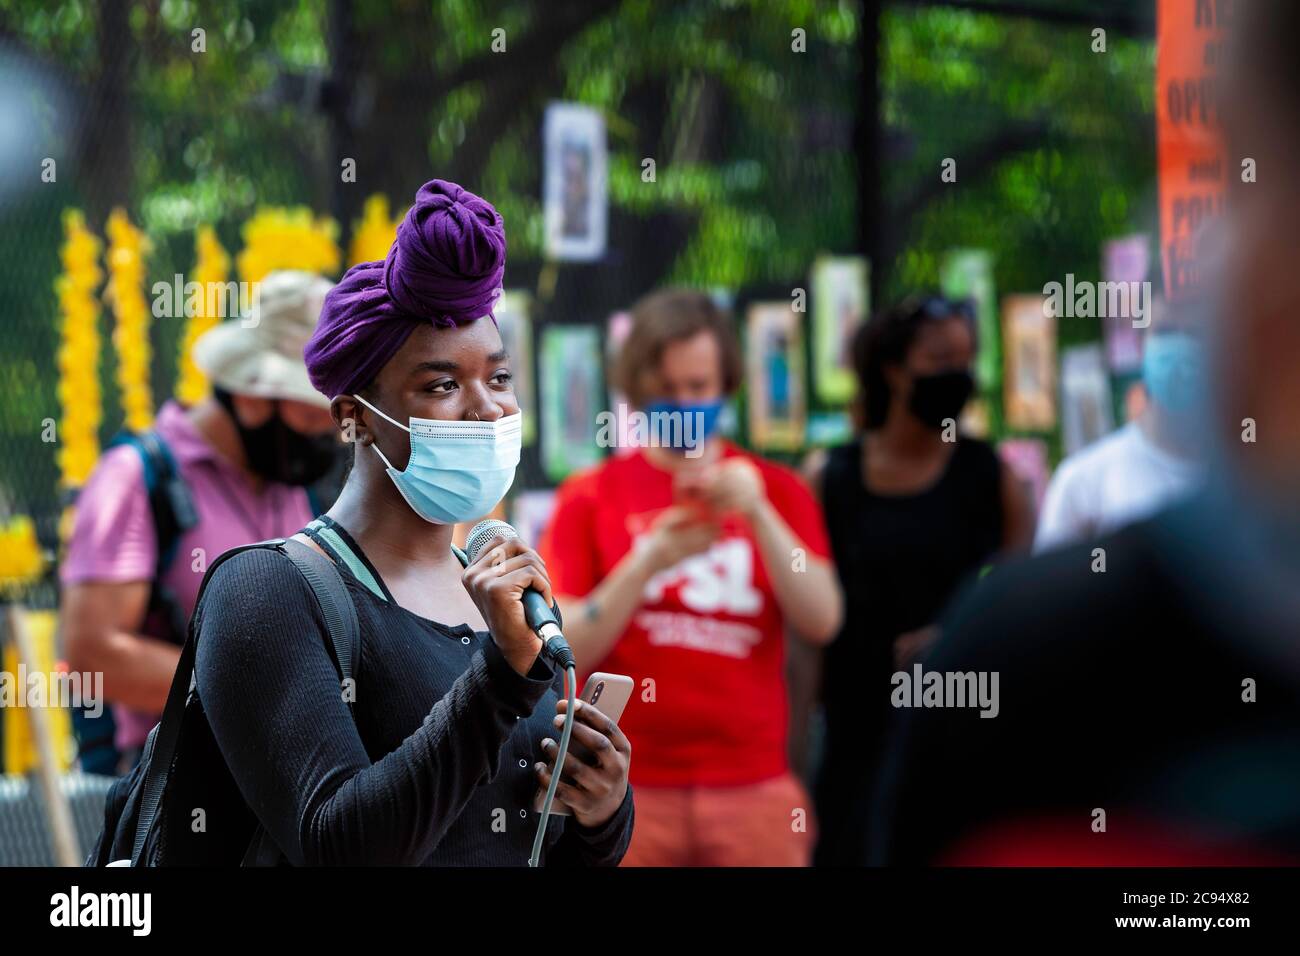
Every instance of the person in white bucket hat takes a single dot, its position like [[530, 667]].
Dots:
[[229, 470], [261, 353]]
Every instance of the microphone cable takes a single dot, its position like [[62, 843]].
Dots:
[[543, 622], [571, 693]]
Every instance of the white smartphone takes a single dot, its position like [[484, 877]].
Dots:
[[608, 693]]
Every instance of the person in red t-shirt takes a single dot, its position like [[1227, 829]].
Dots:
[[683, 565]]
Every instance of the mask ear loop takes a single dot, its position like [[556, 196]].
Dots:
[[375, 445]]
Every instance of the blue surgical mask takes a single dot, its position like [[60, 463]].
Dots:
[[699, 420], [1173, 371], [458, 470]]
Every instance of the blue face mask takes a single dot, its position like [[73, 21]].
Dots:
[[699, 420], [458, 471], [1173, 371]]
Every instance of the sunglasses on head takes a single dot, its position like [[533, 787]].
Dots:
[[940, 307]]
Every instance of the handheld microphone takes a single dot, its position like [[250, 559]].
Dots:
[[539, 616]]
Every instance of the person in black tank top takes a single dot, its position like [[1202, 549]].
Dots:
[[913, 509]]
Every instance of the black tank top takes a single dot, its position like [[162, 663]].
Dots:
[[900, 559]]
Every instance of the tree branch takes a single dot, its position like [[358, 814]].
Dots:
[[974, 163], [1121, 18]]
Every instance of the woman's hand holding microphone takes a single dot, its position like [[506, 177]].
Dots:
[[496, 581]]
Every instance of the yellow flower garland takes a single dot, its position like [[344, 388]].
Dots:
[[78, 354], [374, 233], [278, 238], [125, 292], [211, 267], [21, 560]]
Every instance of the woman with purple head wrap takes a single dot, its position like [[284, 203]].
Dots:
[[462, 710], [445, 268]]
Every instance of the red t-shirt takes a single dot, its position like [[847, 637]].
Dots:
[[708, 632]]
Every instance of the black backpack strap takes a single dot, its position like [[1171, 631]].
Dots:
[[345, 643], [161, 746], [335, 604]]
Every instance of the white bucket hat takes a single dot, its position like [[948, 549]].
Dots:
[[260, 353]]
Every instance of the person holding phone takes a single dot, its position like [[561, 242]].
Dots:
[[433, 757], [683, 564], [611, 692]]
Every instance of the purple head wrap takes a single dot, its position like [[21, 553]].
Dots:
[[445, 267]]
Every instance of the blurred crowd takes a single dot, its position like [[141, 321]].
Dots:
[[1133, 641]]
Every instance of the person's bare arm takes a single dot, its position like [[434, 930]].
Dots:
[[592, 624], [1017, 513], [807, 591], [100, 622]]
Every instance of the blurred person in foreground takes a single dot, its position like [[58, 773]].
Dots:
[[1150, 462], [683, 567], [914, 508], [241, 458], [1164, 691]]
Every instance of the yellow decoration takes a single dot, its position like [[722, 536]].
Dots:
[[125, 293], [78, 354], [22, 563], [212, 267], [374, 233], [19, 751], [278, 238], [21, 559]]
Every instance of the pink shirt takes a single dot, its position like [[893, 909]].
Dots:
[[113, 537]]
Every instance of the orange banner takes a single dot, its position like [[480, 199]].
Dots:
[[1192, 164]]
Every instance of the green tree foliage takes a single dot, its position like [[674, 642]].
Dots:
[[753, 142], [1055, 145]]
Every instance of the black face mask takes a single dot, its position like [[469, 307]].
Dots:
[[941, 396], [277, 452]]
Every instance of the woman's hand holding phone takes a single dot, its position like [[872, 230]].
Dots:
[[591, 786]]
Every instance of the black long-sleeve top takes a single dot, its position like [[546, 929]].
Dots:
[[433, 767]]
